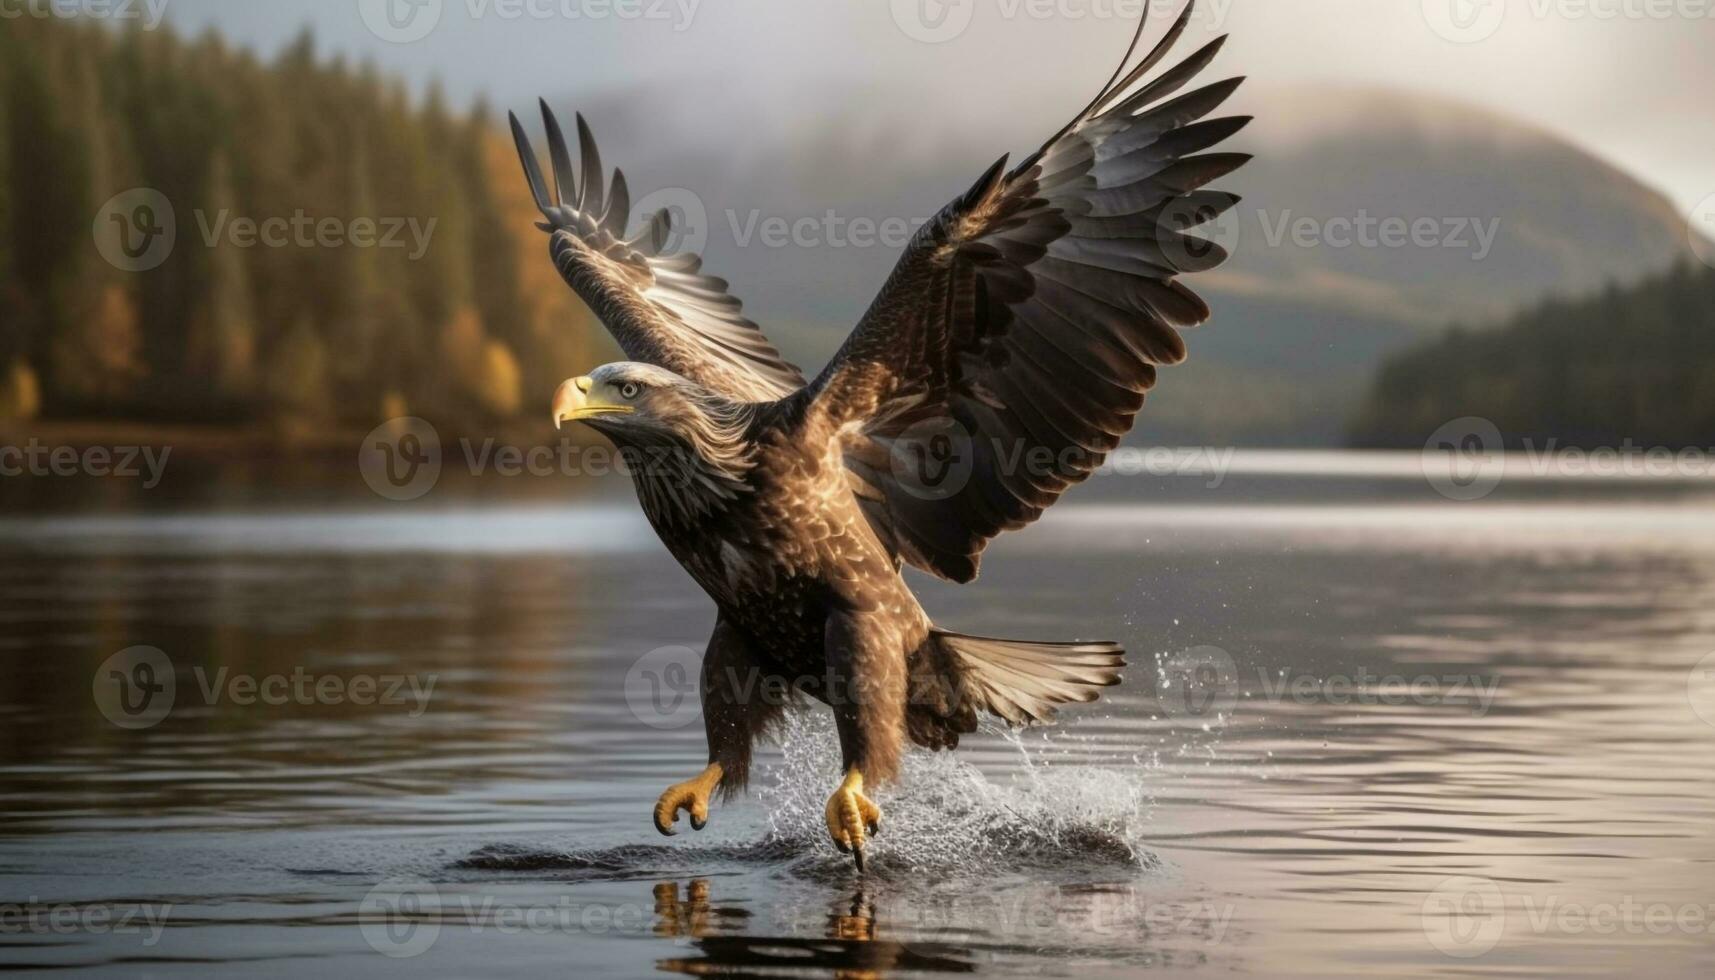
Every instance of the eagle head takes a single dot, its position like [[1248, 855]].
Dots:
[[681, 431], [628, 401]]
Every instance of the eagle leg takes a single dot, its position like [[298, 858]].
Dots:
[[852, 817], [692, 796]]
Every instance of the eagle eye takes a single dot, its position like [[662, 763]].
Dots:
[[630, 390]]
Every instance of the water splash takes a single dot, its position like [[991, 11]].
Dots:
[[946, 817], [944, 820]]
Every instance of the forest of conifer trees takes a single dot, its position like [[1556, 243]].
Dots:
[[226, 331], [1630, 367]]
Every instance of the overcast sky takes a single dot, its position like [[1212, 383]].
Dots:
[[1630, 80]]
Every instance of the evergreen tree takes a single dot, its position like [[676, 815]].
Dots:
[[222, 345], [1632, 366], [304, 330]]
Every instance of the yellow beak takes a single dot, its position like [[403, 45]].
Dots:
[[573, 403]]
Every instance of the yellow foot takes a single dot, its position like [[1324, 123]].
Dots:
[[692, 795], [850, 815]]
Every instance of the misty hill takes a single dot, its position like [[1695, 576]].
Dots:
[[1624, 367], [1302, 319]]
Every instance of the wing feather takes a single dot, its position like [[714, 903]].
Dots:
[[659, 306], [1033, 313]]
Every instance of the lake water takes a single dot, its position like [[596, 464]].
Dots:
[[1366, 731]]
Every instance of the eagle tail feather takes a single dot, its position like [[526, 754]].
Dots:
[[1022, 681]]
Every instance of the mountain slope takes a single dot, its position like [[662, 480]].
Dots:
[[1300, 321]]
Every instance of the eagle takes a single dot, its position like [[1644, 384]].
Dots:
[[1006, 356]]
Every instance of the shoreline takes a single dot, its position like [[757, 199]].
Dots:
[[244, 442]]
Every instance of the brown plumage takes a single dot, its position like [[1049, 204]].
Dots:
[[1022, 327]]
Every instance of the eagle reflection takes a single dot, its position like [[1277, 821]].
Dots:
[[851, 950]]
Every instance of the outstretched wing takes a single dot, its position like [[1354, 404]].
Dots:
[[1025, 323], [655, 302]]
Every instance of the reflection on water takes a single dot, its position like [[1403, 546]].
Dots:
[[851, 947], [1366, 732]]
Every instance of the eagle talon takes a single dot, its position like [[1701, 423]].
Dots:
[[691, 796], [852, 817]]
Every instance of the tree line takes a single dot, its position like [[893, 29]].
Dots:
[[315, 324], [1631, 366]]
